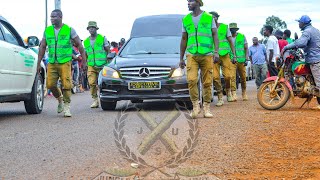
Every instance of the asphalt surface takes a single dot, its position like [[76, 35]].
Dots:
[[49, 146], [242, 141]]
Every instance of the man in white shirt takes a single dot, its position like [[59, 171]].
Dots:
[[273, 50]]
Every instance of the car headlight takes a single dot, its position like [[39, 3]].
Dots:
[[110, 73], [179, 72]]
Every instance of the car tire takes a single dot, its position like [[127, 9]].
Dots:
[[237, 82], [224, 91], [107, 106], [35, 104]]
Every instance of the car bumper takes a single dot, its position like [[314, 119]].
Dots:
[[117, 89]]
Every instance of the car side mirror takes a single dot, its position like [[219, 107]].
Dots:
[[33, 41], [111, 55]]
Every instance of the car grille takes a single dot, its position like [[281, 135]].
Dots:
[[145, 72]]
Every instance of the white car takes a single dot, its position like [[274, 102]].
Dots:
[[250, 72], [19, 80]]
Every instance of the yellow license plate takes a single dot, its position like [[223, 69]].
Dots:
[[142, 85]]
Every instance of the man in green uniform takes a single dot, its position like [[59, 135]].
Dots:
[[227, 58], [286, 36], [241, 46], [58, 39], [97, 49], [199, 33]]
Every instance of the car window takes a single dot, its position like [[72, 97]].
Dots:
[[152, 45], [10, 38]]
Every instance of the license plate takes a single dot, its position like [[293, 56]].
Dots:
[[142, 85]]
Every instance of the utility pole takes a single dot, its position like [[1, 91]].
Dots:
[[46, 14], [57, 4]]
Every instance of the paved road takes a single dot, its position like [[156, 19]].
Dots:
[[51, 146], [241, 141]]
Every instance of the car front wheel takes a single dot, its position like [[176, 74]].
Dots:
[[35, 104]]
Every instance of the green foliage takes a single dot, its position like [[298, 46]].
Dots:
[[275, 22]]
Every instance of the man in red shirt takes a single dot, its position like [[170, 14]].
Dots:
[[114, 48], [282, 43]]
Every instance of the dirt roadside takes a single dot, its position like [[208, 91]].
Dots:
[[245, 141]]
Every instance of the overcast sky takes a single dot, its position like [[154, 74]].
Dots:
[[115, 18]]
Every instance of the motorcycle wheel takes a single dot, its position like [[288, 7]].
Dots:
[[273, 100]]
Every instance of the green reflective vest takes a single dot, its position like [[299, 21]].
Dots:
[[290, 40], [224, 46], [60, 48], [97, 56], [239, 46], [200, 40]]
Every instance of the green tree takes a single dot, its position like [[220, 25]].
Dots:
[[275, 22]]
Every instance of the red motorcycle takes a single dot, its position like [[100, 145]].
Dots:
[[275, 91]]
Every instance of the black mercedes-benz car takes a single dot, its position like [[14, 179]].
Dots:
[[147, 66]]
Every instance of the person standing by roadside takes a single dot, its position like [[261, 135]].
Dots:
[[286, 36], [199, 33], [97, 49], [258, 58], [226, 59], [282, 43], [310, 41], [273, 50], [121, 43], [241, 47], [115, 47], [58, 38], [76, 59]]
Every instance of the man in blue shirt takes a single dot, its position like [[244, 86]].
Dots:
[[258, 58], [310, 41], [76, 57]]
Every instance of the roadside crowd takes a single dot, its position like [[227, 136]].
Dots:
[[205, 39], [73, 65], [78, 73], [208, 45]]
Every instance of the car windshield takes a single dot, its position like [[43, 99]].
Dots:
[[152, 45]]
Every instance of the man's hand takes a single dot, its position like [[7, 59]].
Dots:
[[182, 64], [234, 60], [216, 58]]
